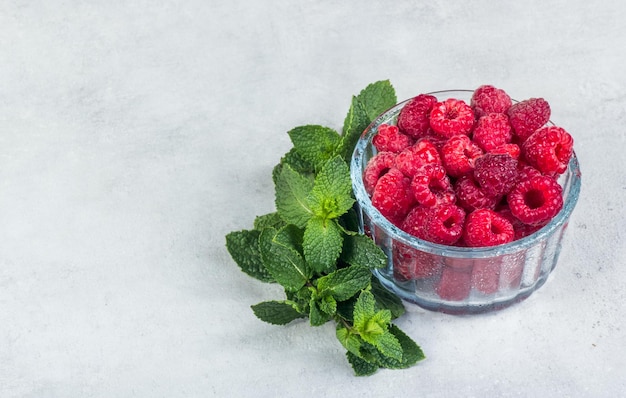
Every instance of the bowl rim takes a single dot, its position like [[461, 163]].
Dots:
[[364, 202]]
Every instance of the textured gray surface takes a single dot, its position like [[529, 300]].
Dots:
[[133, 137]]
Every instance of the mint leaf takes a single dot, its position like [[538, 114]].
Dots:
[[349, 340], [322, 244], [361, 250], [276, 312], [243, 247], [350, 222], [354, 124], [364, 309], [331, 195], [315, 143], [373, 326], [328, 305], [389, 346], [282, 258], [345, 309], [292, 191], [345, 282], [360, 366], [364, 108], [271, 220], [377, 98], [296, 161], [317, 317], [387, 300], [300, 299], [412, 353]]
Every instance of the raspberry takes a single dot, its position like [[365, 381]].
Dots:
[[437, 140], [492, 131], [410, 263], [415, 222], [413, 119], [549, 149], [485, 227], [459, 264], [392, 196], [445, 224], [528, 115], [451, 117], [471, 197], [488, 99], [458, 155], [521, 230], [431, 186], [442, 224], [486, 275], [454, 284], [414, 157], [376, 167], [496, 173], [513, 150], [526, 171], [389, 138], [535, 201]]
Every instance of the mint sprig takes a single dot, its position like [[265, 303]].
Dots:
[[311, 245]]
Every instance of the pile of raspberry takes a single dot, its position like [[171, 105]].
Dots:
[[470, 175]]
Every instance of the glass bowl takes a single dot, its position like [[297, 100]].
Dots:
[[459, 280]]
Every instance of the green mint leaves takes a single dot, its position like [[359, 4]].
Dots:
[[292, 191], [316, 144], [311, 246]]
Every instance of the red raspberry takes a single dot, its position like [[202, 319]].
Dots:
[[431, 186], [496, 173], [535, 201], [410, 263], [415, 222], [459, 264], [526, 171], [492, 131], [513, 150], [485, 227], [486, 275], [549, 149], [444, 224], [488, 99], [421, 153], [521, 230], [389, 138], [413, 119], [528, 115], [454, 284], [392, 196], [471, 197], [451, 117], [376, 167], [437, 140], [458, 155]]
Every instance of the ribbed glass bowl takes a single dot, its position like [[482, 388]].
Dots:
[[459, 280]]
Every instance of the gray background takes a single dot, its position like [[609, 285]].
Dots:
[[135, 135]]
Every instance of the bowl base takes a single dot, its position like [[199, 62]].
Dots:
[[465, 307]]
